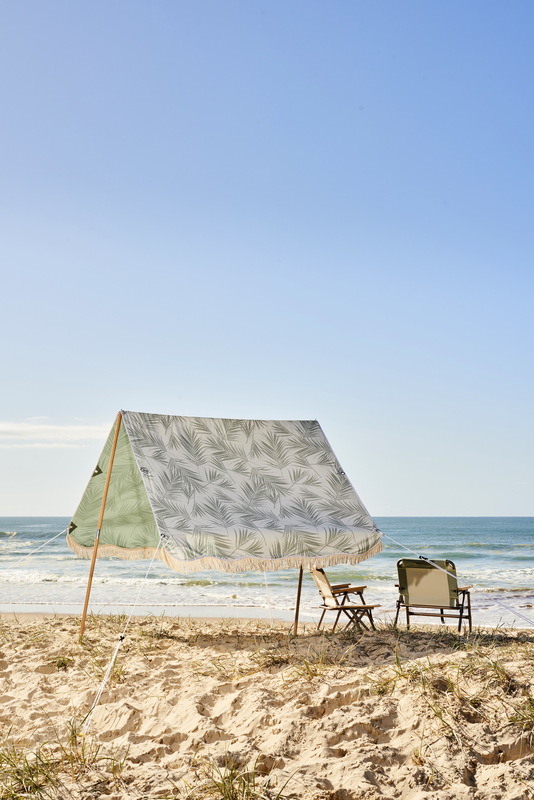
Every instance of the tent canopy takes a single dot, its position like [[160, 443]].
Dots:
[[223, 494]]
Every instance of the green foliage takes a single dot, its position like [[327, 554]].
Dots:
[[523, 716], [63, 663], [41, 772], [233, 782]]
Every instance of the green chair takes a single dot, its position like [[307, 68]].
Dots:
[[421, 585]]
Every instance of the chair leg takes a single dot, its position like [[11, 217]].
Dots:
[[358, 619], [353, 618], [461, 607], [322, 615], [335, 623], [398, 612], [366, 613], [469, 611], [407, 618], [350, 614], [442, 617]]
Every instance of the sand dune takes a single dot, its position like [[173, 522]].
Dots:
[[344, 716]]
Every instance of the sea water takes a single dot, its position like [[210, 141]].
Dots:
[[494, 555]]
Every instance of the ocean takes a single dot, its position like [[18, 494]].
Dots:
[[495, 555]]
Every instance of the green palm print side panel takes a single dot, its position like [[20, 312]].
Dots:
[[128, 518]]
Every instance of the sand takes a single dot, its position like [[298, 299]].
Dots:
[[193, 703]]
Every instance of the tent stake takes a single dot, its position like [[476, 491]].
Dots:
[[101, 519], [297, 607]]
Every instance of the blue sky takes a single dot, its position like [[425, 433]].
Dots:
[[279, 210]]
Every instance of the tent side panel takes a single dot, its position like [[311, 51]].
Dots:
[[129, 527], [248, 494]]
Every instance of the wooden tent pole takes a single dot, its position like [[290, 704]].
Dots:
[[100, 521], [297, 607]]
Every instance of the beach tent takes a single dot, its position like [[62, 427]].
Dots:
[[224, 494]]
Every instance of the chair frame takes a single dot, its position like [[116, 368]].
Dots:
[[354, 611], [461, 610]]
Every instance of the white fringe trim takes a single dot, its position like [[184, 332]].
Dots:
[[211, 562], [114, 551]]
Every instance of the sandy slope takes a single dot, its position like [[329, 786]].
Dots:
[[345, 716]]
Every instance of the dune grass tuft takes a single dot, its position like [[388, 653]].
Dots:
[[232, 782], [52, 767]]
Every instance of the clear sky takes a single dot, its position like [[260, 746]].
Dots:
[[271, 209]]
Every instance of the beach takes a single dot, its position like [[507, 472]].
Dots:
[[242, 708]]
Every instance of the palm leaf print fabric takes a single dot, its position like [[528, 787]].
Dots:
[[248, 494]]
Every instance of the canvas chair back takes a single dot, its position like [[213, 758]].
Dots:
[[423, 584], [323, 585]]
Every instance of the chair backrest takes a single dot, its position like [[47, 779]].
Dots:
[[423, 584], [323, 584]]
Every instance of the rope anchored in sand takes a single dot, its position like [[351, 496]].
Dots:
[[107, 673]]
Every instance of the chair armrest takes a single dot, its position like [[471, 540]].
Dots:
[[464, 588], [346, 587], [339, 585]]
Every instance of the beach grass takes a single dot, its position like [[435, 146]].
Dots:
[[244, 709]]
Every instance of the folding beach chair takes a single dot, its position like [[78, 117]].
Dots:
[[341, 591], [421, 585]]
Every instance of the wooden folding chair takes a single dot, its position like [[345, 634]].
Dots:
[[421, 585], [331, 596]]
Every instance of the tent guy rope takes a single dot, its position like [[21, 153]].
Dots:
[[6, 569], [268, 598], [107, 673]]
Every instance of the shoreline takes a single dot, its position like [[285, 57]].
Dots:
[[168, 612], [304, 625], [227, 613]]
